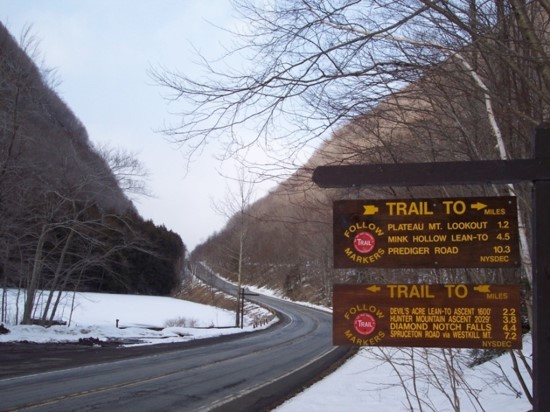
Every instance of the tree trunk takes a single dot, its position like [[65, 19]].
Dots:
[[35, 278], [55, 281]]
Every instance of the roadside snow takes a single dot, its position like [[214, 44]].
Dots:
[[366, 382], [369, 382], [95, 315]]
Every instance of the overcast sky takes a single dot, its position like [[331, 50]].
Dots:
[[102, 51]]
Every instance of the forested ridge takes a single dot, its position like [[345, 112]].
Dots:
[[395, 82], [371, 82], [65, 221]]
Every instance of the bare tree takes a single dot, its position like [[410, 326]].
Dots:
[[317, 64], [129, 172], [421, 371], [235, 207]]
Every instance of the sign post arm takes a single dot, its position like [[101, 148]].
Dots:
[[432, 174], [541, 275]]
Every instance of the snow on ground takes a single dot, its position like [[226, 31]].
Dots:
[[369, 382], [366, 382], [95, 315]]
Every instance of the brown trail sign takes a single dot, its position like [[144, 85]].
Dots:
[[445, 316], [405, 233], [535, 170]]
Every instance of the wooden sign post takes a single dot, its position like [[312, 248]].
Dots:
[[535, 170]]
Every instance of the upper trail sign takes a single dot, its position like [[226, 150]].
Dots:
[[446, 232]]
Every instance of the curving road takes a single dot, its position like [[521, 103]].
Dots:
[[250, 373]]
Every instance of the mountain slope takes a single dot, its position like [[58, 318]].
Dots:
[[65, 221]]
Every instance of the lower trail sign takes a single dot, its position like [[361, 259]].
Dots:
[[427, 315]]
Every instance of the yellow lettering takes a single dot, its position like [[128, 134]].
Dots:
[[408, 251], [410, 291], [446, 250], [494, 259], [407, 209]]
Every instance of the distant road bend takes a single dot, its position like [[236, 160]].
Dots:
[[251, 372]]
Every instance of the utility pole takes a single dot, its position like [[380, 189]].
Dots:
[[243, 294], [240, 270]]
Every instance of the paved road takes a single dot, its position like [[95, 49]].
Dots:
[[250, 373]]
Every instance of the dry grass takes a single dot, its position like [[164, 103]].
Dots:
[[198, 292]]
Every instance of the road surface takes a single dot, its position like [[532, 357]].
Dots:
[[251, 373]]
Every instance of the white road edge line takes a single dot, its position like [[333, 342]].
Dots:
[[244, 392]]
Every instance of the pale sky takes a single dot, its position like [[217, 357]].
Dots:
[[102, 51]]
